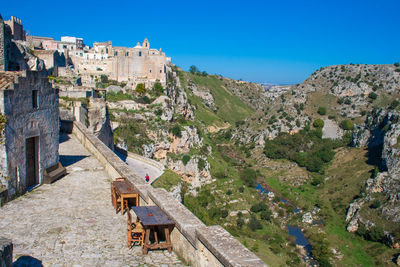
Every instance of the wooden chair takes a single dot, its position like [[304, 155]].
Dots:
[[116, 200], [135, 232]]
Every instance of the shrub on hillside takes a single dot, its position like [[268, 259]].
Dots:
[[347, 125], [258, 207], [373, 95], [176, 131], [185, 159], [249, 177], [318, 123], [322, 111], [266, 215], [254, 223], [141, 89], [201, 164]]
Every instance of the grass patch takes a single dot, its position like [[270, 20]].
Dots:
[[167, 180]]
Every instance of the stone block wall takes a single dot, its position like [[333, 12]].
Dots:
[[25, 121], [6, 252], [198, 244], [3, 65]]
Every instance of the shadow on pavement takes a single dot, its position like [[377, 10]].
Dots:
[[25, 261], [67, 160]]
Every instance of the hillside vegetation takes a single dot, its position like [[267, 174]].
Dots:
[[220, 138]]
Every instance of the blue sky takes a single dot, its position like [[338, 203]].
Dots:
[[273, 41]]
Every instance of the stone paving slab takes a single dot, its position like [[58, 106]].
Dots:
[[72, 222]]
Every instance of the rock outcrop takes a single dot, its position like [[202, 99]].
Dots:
[[380, 133]]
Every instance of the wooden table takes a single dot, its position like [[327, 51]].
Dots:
[[153, 219], [125, 189]]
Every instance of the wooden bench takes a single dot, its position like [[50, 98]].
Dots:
[[53, 173]]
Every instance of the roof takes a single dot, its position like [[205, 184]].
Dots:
[[7, 79]]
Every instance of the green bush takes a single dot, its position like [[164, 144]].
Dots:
[[375, 234], [201, 164], [185, 159], [322, 111], [254, 223], [249, 177], [376, 204], [103, 78], [394, 104], [318, 123], [158, 112], [224, 213], [396, 64], [258, 207], [239, 222], [176, 131], [141, 89], [347, 125], [266, 215], [158, 89], [373, 95]]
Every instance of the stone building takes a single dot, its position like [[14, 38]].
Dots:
[[133, 65], [5, 39], [17, 30], [29, 141]]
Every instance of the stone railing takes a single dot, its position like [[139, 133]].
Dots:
[[192, 240], [6, 252]]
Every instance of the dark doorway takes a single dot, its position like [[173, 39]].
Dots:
[[32, 161]]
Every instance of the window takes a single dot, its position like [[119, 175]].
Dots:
[[116, 53], [150, 71], [140, 54], [35, 101], [160, 71]]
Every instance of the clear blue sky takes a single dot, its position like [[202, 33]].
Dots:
[[273, 41]]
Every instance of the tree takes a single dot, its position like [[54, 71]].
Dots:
[[249, 177], [318, 123], [176, 131], [347, 125], [254, 224], [396, 64], [104, 78], [373, 95], [322, 111], [193, 69], [141, 88], [158, 89]]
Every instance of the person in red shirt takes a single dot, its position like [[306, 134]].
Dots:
[[147, 178]]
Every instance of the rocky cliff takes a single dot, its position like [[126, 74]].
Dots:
[[381, 134]]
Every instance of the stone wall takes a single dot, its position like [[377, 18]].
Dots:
[[6, 252], [26, 121], [196, 243]]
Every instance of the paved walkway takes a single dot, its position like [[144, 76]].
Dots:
[[141, 168], [72, 222]]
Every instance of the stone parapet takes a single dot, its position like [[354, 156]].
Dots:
[[6, 252], [196, 243], [226, 248]]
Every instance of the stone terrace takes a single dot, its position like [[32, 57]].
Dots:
[[72, 222]]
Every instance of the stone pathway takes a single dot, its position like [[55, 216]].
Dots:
[[72, 222], [141, 168]]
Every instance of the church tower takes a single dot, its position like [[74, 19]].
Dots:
[[146, 43]]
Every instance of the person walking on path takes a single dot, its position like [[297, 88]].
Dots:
[[147, 178]]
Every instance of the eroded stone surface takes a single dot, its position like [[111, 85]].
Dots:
[[72, 222]]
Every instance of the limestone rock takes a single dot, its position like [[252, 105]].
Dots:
[[148, 150], [307, 218], [190, 138], [353, 225], [114, 88], [191, 172]]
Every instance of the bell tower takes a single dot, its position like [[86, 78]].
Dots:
[[146, 43]]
